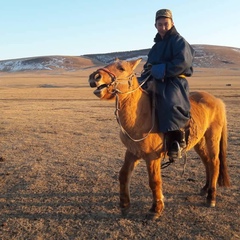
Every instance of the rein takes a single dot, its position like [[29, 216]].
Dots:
[[114, 80], [124, 131]]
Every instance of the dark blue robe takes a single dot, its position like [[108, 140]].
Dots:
[[172, 91]]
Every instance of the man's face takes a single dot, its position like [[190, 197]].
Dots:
[[163, 25]]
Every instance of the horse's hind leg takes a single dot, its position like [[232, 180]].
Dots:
[[124, 178], [155, 183], [208, 150]]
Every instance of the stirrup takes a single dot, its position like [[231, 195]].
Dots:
[[183, 144], [182, 141], [175, 151]]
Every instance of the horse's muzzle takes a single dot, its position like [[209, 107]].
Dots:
[[94, 78], [92, 83]]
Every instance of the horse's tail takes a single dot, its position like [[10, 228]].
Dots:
[[223, 178]]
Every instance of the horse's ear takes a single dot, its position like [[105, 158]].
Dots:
[[116, 59], [134, 63]]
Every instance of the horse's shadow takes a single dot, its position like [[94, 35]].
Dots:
[[69, 206], [100, 205], [56, 206]]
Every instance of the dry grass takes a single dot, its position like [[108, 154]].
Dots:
[[60, 160]]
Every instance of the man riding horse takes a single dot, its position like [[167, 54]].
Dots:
[[169, 62]]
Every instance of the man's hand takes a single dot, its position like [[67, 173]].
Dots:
[[158, 71]]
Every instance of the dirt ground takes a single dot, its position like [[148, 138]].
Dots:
[[60, 156]]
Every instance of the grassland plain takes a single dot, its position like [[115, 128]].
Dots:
[[60, 156]]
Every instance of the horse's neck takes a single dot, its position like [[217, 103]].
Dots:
[[134, 109]]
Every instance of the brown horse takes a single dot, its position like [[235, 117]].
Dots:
[[208, 133]]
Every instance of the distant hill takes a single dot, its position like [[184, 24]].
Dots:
[[66, 63], [207, 56]]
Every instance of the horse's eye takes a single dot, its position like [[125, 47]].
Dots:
[[121, 68]]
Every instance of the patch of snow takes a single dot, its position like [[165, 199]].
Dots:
[[144, 57], [20, 65], [105, 58], [32, 64], [236, 49]]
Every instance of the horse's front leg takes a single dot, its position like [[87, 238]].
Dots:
[[155, 183], [124, 178]]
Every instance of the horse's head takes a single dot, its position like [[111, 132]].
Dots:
[[115, 77]]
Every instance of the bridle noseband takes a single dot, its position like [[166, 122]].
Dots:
[[112, 75], [115, 81]]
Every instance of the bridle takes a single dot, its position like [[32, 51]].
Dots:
[[115, 81], [116, 92]]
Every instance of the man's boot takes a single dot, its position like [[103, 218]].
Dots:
[[176, 142], [174, 151], [182, 141]]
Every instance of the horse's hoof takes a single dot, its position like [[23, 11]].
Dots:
[[152, 216], [211, 204]]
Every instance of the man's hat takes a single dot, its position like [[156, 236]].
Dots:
[[163, 13]]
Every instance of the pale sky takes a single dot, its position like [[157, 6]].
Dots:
[[75, 27]]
